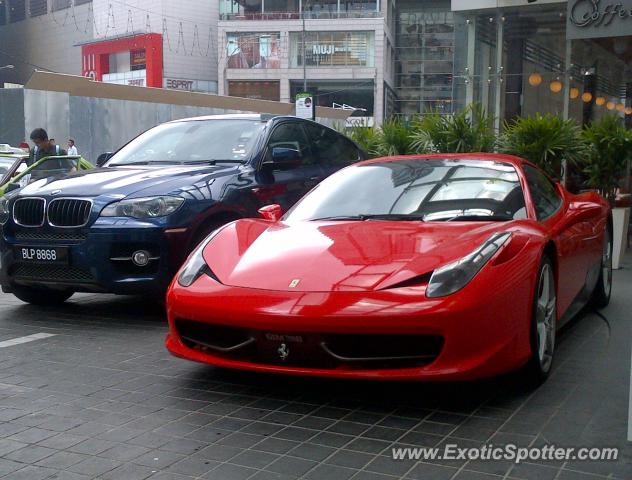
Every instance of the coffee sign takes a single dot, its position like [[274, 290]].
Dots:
[[599, 18]]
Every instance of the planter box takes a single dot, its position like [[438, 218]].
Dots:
[[620, 226]]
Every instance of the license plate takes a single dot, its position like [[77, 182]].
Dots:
[[53, 255]]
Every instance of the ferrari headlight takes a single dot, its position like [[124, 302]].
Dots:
[[4, 210], [149, 207], [453, 277], [195, 265]]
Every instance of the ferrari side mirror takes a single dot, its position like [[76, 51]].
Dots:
[[272, 212]]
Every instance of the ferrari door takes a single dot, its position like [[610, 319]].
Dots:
[[568, 234]]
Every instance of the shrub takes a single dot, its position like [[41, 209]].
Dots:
[[546, 140], [610, 147], [470, 130]]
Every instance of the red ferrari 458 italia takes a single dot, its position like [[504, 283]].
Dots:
[[451, 267]]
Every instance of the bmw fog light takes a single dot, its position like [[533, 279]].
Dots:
[[140, 258]]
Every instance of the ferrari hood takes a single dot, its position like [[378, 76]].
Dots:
[[338, 256]]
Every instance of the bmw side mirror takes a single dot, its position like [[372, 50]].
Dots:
[[104, 157], [286, 158], [272, 212]]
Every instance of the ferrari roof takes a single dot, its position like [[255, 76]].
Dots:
[[491, 157]]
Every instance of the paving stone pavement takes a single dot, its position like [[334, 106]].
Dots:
[[103, 399]]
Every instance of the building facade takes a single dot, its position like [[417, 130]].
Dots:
[[521, 57], [339, 51], [137, 42]]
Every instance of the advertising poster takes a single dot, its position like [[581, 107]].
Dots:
[[253, 50], [305, 107]]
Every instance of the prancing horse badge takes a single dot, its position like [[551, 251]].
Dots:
[[294, 283]]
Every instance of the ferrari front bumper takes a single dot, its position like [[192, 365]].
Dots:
[[477, 332]]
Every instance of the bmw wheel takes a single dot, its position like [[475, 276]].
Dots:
[[41, 296]]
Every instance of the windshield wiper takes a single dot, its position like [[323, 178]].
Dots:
[[364, 218], [475, 218], [212, 161], [150, 162]]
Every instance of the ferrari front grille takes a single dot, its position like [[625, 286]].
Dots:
[[311, 350]]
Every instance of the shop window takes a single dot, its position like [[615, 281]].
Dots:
[[256, 89], [281, 6], [37, 8], [352, 94], [60, 5], [358, 6], [17, 10], [333, 49], [253, 50], [3, 12], [424, 64], [82, 2], [321, 9]]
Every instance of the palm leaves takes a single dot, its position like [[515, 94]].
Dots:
[[546, 140], [470, 130], [610, 147]]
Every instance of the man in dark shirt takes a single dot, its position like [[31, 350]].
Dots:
[[43, 147]]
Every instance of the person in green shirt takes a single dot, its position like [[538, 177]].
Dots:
[[43, 147]]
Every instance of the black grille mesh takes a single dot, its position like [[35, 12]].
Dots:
[[37, 236], [58, 273], [69, 212], [29, 211]]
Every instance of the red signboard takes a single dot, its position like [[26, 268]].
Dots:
[[148, 47]]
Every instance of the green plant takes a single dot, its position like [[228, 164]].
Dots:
[[610, 147], [470, 130], [392, 138], [546, 140], [365, 137]]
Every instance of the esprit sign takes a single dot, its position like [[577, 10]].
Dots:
[[599, 18], [177, 84]]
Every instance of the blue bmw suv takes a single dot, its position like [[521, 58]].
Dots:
[[127, 227]]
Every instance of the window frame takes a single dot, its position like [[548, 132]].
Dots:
[[526, 168], [267, 150]]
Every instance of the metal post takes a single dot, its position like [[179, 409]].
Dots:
[[471, 59], [567, 100], [304, 50], [499, 65]]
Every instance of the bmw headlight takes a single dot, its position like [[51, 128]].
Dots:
[[4, 210], [453, 277], [195, 265], [148, 207]]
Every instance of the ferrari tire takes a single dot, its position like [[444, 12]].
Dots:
[[543, 324], [601, 294], [41, 296]]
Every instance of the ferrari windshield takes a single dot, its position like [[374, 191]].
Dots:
[[427, 190], [191, 142]]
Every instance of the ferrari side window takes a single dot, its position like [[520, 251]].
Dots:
[[545, 197]]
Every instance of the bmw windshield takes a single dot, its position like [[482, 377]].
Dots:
[[424, 190], [192, 142]]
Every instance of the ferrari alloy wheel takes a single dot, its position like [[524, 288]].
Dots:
[[601, 295], [41, 296], [543, 324]]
